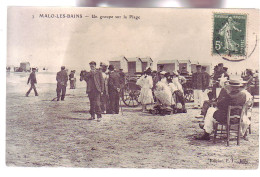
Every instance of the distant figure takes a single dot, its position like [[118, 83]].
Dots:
[[113, 89], [62, 79], [197, 84], [33, 81], [95, 88], [72, 79]]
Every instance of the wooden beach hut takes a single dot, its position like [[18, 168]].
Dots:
[[168, 65]]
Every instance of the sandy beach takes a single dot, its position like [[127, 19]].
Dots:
[[42, 132]]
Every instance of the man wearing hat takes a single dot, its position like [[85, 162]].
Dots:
[[95, 87], [113, 89], [33, 81], [62, 79], [218, 71], [234, 96], [206, 81], [197, 84]]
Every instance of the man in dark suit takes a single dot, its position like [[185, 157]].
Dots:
[[33, 81], [232, 97], [95, 87], [62, 79], [113, 89]]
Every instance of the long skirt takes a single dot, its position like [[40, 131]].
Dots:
[[146, 96]]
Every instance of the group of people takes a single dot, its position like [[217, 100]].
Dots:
[[103, 89], [104, 85], [225, 92], [234, 93], [161, 88]]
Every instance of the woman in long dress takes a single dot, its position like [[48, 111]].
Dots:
[[146, 83], [163, 92]]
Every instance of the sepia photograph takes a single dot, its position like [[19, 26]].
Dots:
[[156, 88]]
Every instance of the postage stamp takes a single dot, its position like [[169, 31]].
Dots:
[[229, 35]]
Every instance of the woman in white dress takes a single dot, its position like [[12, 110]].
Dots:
[[163, 92], [146, 83]]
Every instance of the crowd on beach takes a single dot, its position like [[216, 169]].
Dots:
[[161, 92]]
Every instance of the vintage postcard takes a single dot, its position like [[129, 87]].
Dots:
[[132, 88]]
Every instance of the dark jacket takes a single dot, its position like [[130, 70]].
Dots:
[[206, 80], [231, 99], [71, 76], [62, 77], [218, 74], [197, 81], [113, 81], [32, 78], [95, 81]]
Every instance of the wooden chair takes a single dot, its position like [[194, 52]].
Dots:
[[232, 120]]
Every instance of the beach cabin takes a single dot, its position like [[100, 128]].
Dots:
[[119, 63], [25, 66], [138, 65], [146, 62], [168, 65], [186, 64], [131, 65]]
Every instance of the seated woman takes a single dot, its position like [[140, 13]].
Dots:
[[163, 92], [177, 90]]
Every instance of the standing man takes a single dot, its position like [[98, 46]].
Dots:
[[62, 79], [206, 81], [113, 89], [218, 71], [33, 81], [104, 96], [95, 87], [197, 84]]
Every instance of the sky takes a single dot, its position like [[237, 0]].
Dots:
[[162, 34]]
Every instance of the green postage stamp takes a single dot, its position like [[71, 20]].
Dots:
[[229, 35]]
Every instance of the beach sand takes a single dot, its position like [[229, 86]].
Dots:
[[42, 132]]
